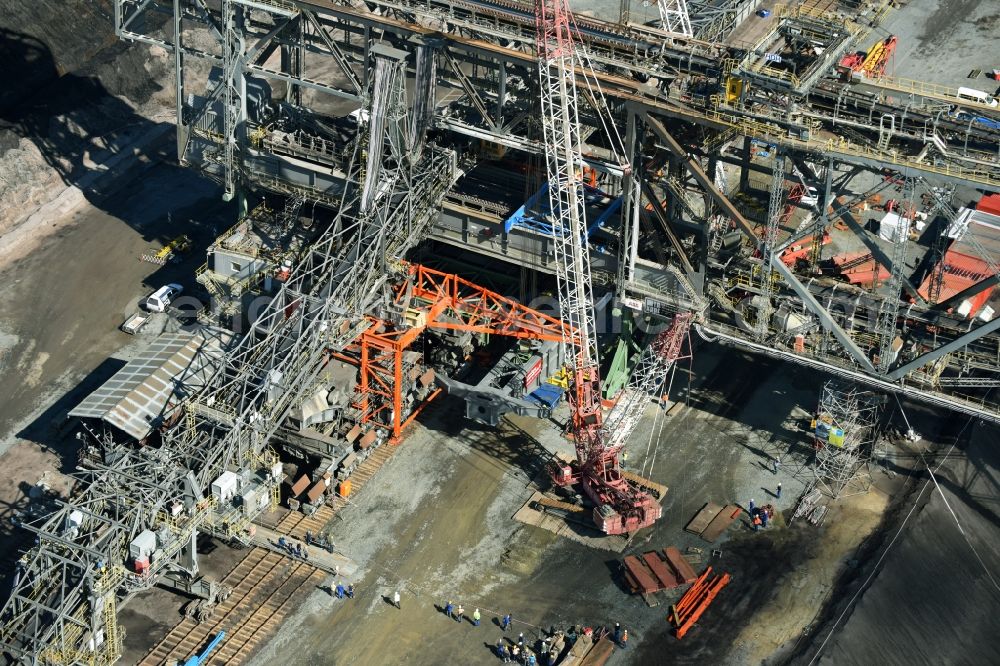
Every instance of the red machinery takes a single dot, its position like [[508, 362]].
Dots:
[[869, 65], [429, 299], [795, 194], [621, 505], [426, 299]]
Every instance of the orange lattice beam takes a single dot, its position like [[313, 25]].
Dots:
[[479, 309], [447, 302]]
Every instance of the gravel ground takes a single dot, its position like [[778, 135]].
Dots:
[[436, 523], [941, 41], [59, 314]]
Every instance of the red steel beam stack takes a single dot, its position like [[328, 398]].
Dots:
[[695, 601]]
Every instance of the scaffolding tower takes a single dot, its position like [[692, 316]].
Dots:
[[845, 431]]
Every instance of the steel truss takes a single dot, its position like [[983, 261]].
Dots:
[[487, 54], [648, 380], [425, 300], [63, 606], [68, 587], [674, 16]]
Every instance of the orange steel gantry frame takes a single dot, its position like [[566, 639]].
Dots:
[[431, 299]]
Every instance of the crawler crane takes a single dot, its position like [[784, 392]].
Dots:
[[621, 505]]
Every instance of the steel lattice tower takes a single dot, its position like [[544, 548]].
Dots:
[[845, 431], [674, 14]]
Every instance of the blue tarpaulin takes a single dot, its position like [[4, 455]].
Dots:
[[988, 122], [534, 213], [547, 394]]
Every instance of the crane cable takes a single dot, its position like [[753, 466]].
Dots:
[[652, 461]]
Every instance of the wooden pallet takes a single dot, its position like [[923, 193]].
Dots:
[[578, 530], [264, 584]]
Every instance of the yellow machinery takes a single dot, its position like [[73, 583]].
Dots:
[[179, 245]]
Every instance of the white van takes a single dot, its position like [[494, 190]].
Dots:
[[160, 299], [977, 96]]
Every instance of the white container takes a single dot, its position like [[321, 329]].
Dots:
[[224, 487], [143, 545], [891, 227], [249, 499]]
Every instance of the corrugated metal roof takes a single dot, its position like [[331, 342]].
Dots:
[[316, 491], [138, 397], [971, 267], [989, 203], [985, 227]]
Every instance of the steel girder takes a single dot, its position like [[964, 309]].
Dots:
[[66, 595], [483, 39]]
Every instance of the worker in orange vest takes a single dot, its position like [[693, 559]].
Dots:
[[624, 638]]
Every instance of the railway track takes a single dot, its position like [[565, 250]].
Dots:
[[263, 583]]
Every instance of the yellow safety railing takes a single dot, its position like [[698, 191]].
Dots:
[[763, 69], [257, 136], [863, 29], [924, 89], [266, 459], [211, 136], [752, 278], [842, 146], [275, 494]]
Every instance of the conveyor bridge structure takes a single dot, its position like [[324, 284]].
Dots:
[[430, 91]]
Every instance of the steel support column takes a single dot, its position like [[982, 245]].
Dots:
[[631, 208], [699, 175]]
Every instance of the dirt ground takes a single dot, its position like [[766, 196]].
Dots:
[[436, 525], [60, 310], [932, 593], [150, 615]]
